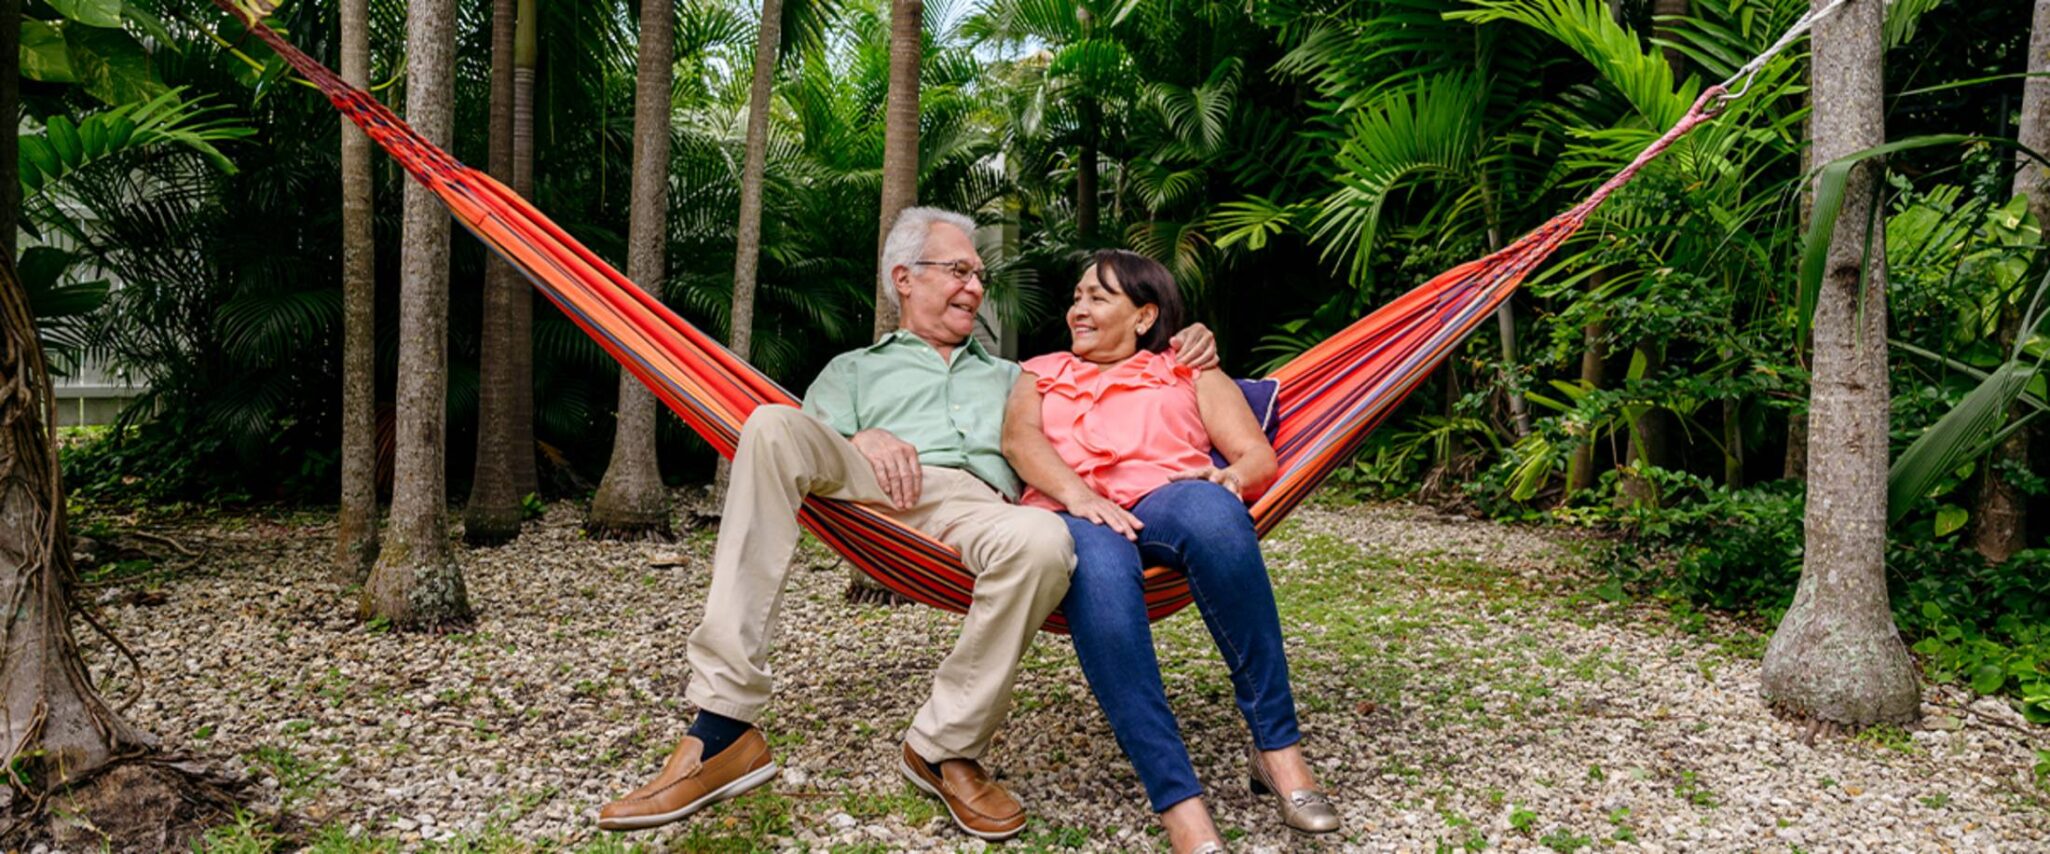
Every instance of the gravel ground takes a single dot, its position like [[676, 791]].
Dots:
[[1459, 690]]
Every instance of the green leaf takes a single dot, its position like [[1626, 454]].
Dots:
[[44, 55], [114, 67], [1967, 430], [92, 13], [1950, 517], [39, 163], [63, 136], [1988, 678]]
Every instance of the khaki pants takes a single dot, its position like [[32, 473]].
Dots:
[[1021, 558]]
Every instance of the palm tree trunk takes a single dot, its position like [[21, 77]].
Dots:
[[1086, 191], [356, 527], [493, 512], [754, 164], [520, 315], [416, 582], [631, 502], [900, 140], [1836, 654], [1647, 439], [1580, 473], [2000, 519]]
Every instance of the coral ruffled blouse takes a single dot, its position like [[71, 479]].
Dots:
[[1123, 428]]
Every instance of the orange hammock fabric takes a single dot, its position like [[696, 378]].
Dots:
[[1328, 398]]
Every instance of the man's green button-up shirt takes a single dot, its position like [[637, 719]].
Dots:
[[952, 411]]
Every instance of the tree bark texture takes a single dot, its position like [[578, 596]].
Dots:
[[1580, 473], [753, 169], [1647, 438], [2000, 519], [356, 528], [1086, 190], [520, 315], [1836, 654], [57, 727], [494, 512], [900, 141], [416, 582], [631, 501]]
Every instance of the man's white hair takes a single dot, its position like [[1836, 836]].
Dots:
[[906, 243]]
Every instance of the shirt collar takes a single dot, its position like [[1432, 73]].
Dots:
[[973, 345]]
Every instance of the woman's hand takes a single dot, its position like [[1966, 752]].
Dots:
[[1107, 513], [1222, 477]]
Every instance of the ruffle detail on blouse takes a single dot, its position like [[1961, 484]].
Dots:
[[1070, 376]]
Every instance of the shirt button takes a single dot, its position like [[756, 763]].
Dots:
[[957, 407]]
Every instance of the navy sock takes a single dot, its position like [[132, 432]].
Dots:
[[717, 731]]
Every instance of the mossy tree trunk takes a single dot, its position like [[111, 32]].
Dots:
[[356, 528], [416, 582], [1836, 654]]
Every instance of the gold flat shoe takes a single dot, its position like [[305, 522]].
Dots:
[[1303, 810]]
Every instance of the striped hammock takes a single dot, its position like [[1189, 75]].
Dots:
[[1328, 399]]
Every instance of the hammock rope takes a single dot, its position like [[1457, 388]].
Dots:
[[1329, 398]]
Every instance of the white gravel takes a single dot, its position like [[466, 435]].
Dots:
[[1458, 690]]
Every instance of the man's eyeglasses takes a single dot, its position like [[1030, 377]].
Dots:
[[962, 270]]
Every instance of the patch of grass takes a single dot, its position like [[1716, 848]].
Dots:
[[298, 778], [244, 834], [910, 805], [1887, 737], [749, 823], [1936, 801], [1620, 819], [1522, 819], [1689, 788], [1041, 836], [1565, 841]]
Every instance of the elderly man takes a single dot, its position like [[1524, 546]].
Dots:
[[912, 425]]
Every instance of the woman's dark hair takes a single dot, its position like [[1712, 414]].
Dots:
[[1145, 282]]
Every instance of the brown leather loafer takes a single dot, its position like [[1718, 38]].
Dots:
[[980, 807], [687, 784]]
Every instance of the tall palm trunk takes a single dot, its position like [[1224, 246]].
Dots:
[[631, 501], [416, 582], [1999, 518], [900, 140], [520, 315], [748, 238], [1580, 471], [1086, 191], [1837, 654], [356, 528], [493, 513]]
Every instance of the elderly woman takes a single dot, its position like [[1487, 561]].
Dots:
[[1117, 436]]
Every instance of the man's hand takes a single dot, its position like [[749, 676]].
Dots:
[[895, 463], [1196, 347], [1222, 477], [1107, 513]]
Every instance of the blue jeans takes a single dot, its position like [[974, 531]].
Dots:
[[1203, 530]]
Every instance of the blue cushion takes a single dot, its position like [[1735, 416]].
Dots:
[[1260, 396]]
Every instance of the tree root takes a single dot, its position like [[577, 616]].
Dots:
[[156, 802]]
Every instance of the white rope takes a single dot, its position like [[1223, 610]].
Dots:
[[1750, 70]]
